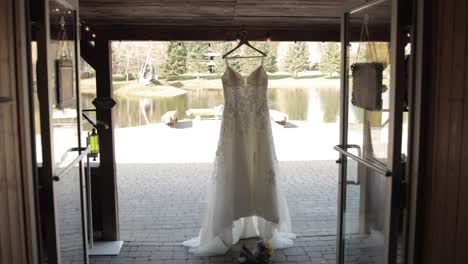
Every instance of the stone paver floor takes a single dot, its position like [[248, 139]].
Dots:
[[162, 205]]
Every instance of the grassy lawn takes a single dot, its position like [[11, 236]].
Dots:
[[271, 76], [206, 81]]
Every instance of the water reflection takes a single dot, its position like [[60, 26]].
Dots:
[[319, 105]]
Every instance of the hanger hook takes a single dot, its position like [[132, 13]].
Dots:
[[243, 34]]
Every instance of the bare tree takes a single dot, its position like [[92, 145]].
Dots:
[[138, 59]]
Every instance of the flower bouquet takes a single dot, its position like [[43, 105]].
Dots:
[[262, 254]]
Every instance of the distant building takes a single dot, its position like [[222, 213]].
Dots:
[[210, 56]]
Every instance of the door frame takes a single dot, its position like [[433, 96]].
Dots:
[[394, 181], [46, 195]]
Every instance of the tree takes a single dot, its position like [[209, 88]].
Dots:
[[297, 58], [176, 62], [269, 62], [220, 63], [330, 59], [196, 57], [246, 65], [137, 58]]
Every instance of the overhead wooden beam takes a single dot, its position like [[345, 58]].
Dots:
[[138, 33], [215, 33]]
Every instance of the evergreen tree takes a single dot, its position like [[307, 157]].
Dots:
[[247, 65], [176, 60], [221, 64], [297, 58], [330, 59], [269, 62], [196, 58]]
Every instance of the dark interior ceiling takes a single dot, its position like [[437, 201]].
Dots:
[[215, 19]]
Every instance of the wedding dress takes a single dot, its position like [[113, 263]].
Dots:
[[245, 195]]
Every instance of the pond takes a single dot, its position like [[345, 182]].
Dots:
[[319, 105]]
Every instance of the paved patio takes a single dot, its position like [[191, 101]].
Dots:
[[162, 177], [162, 205]]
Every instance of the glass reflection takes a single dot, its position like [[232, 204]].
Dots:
[[363, 216], [364, 213], [64, 99], [62, 82], [69, 214], [370, 43]]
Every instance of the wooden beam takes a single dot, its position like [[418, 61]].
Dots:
[[215, 33], [139, 33], [107, 178], [87, 51]]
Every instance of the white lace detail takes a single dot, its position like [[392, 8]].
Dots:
[[245, 197]]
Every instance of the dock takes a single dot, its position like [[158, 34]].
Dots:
[[198, 113]]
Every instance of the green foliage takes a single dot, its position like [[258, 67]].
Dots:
[[187, 77], [247, 65], [121, 78], [196, 59], [278, 76], [297, 58], [271, 61], [176, 63], [269, 48], [330, 59]]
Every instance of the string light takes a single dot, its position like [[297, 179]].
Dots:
[[86, 28], [93, 35]]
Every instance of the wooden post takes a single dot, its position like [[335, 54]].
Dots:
[[18, 232], [107, 179]]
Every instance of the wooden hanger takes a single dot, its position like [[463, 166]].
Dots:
[[243, 41]]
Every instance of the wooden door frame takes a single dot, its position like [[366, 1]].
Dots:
[[418, 98], [22, 147]]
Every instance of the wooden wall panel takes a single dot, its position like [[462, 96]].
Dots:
[[14, 240], [444, 201]]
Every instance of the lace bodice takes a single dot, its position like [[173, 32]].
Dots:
[[245, 94], [245, 100]]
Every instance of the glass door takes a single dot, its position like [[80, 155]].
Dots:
[[371, 159], [59, 143]]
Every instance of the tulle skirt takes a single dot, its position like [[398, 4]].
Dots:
[[223, 225]]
